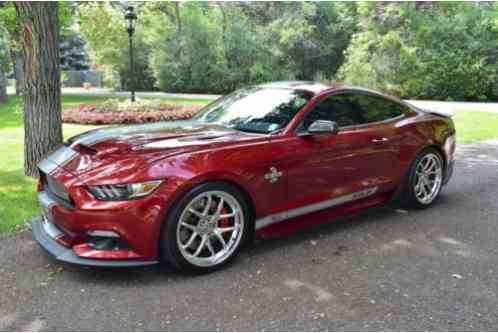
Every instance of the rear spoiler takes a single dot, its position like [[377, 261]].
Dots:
[[444, 114], [441, 113]]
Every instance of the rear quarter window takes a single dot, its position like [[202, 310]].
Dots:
[[375, 109]]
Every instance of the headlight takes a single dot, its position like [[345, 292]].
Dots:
[[124, 191]]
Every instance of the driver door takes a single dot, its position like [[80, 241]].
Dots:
[[334, 168]]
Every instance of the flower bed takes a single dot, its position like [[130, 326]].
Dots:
[[117, 112]]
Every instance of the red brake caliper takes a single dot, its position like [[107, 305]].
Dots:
[[224, 222]]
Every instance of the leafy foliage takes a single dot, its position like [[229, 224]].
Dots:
[[8, 21], [4, 51], [425, 50], [444, 51], [73, 53], [217, 47], [421, 50], [103, 26]]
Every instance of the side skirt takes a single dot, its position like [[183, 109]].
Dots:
[[292, 213], [319, 213]]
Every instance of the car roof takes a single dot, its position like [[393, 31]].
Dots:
[[311, 86], [314, 87]]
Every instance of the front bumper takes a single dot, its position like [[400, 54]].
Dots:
[[44, 232]]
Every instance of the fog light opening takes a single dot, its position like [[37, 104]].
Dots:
[[105, 243]]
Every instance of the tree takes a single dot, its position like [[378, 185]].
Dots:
[[9, 22], [102, 25], [73, 53], [3, 87], [426, 50], [3, 67], [217, 47], [42, 104]]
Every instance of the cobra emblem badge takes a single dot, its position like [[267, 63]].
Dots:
[[273, 175]]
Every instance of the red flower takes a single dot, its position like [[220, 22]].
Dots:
[[95, 114]]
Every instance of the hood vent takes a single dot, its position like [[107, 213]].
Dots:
[[85, 149]]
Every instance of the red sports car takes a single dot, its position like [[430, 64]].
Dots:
[[262, 161]]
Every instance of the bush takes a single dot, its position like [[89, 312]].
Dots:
[[425, 51], [222, 47], [116, 112], [111, 78]]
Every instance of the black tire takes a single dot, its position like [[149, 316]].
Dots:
[[406, 196], [169, 243]]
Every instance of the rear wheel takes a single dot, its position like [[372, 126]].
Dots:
[[424, 180], [206, 228]]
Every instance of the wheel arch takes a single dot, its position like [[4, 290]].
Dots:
[[212, 178], [399, 195], [441, 152]]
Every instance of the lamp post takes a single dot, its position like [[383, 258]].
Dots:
[[131, 18]]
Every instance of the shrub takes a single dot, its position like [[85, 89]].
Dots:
[[111, 78], [444, 51], [116, 112]]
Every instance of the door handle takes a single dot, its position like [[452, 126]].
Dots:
[[380, 140]]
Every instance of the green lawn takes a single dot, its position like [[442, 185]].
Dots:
[[17, 192], [475, 126]]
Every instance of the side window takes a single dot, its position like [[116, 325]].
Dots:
[[375, 108], [353, 109], [338, 108]]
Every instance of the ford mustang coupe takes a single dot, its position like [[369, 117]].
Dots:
[[262, 161]]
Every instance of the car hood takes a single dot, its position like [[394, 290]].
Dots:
[[108, 151]]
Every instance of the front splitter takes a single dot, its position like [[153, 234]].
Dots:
[[64, 254]]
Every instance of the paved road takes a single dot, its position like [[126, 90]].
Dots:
[[435, 269], [452, 107], [140, 94]]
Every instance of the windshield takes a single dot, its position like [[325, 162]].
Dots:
[[256, 109]]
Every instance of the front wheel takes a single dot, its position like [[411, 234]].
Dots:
[[424, 180], [206, 228]]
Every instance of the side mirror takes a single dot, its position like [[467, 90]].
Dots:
[[323, 127]]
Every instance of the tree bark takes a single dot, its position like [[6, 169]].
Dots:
[[178, 28], [224, 27], [3, 87], [42, 104], [17, 61]]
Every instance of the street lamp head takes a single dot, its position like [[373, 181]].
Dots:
[[131, 18]]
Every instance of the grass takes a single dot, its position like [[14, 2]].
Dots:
[[18, 201], [475, 126], [18, 193]]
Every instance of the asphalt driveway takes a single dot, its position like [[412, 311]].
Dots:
[[435, 269]]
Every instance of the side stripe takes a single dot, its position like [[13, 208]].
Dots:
[[274, 218]]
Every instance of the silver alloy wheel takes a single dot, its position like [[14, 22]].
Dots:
[[210, 228], [428, 178]]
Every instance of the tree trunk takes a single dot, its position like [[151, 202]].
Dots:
[[178, 29], [17, 61], [42, 104], [224, 27], [3, 87]]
